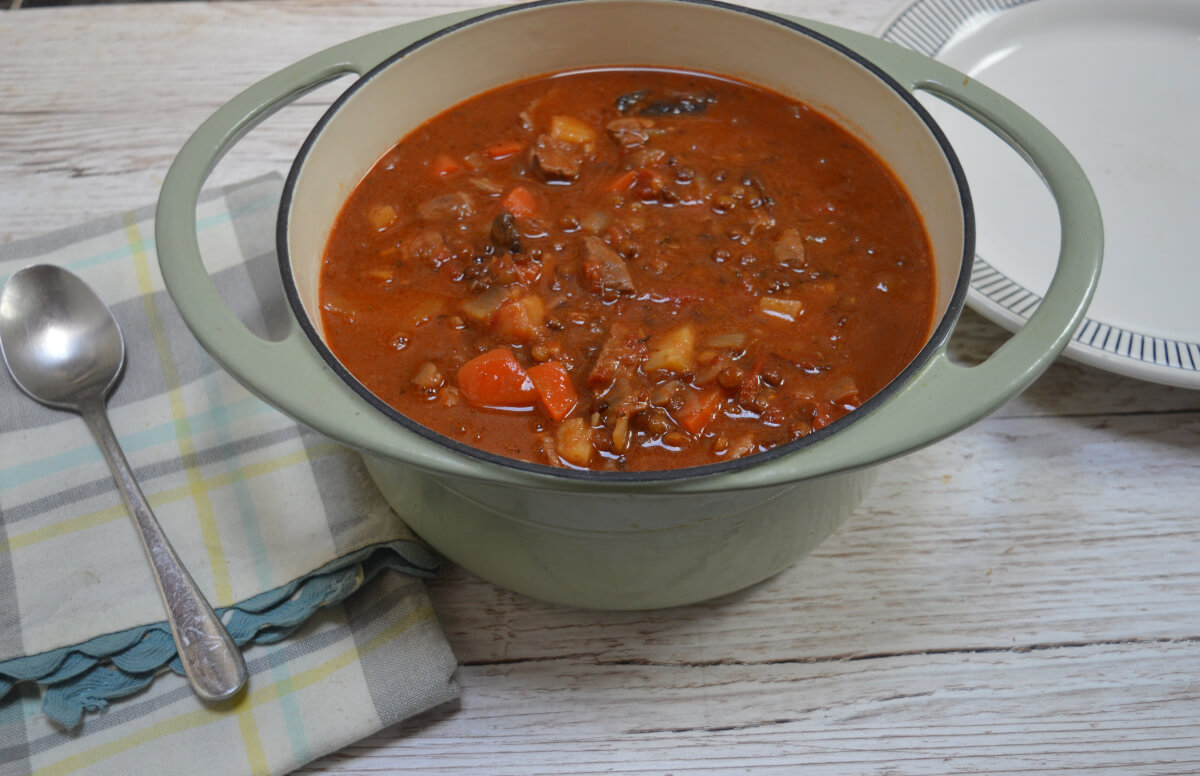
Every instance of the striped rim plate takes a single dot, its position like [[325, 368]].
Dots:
[[1093, 72]]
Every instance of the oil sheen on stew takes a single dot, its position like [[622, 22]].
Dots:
[[627, 269]]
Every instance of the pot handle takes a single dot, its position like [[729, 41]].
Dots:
[[945, 397], [288, 373]]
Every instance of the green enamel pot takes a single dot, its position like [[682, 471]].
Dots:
[[605, 539]]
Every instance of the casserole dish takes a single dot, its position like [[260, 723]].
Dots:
[[639, 539]]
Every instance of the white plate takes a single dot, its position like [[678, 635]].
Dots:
[[1119, 83]]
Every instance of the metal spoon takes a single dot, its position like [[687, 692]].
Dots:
[[64, 348]]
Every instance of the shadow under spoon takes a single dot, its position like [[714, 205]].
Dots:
[[63, 347]]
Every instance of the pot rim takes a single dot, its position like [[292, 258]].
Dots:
[[934, 342]]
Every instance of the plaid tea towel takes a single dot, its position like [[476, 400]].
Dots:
[[314, 575]]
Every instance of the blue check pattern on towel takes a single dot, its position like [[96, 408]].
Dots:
[[282, 529]]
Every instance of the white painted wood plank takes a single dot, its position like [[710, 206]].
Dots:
[[95, 130], [1109, 709]]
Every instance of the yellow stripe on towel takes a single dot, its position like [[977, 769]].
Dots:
[[99, 517], [218, 564]]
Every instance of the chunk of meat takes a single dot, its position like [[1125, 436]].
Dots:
[[427, 245], [604, 269], [789, 248], [629, 132], [455, 206], [555, 160], [761, 220], [747, 393], [620, 354]]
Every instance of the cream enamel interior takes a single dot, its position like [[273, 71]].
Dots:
[[523, 43]]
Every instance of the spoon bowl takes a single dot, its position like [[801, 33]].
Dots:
[[61, 343], [63, 347]]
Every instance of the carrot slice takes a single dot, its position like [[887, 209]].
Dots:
[[529, 272], [444, 166], [496, 379], [555, 390], [504, 149], [645, 183], [623, 181], [700, 410], [520, 202]]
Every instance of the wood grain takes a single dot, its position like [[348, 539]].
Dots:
[[915, 714], [1023, 597]]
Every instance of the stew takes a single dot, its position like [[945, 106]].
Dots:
[[631, 269]]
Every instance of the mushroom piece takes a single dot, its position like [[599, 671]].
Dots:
[[505, 234]]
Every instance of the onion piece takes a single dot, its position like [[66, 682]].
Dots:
[[480, 308], [595, 221], [732, 340], [428, 377]]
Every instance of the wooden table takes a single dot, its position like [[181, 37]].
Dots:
[[1023, 597]]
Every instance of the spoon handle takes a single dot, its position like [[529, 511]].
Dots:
[[212, 662]]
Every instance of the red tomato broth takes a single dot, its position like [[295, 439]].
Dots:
[[693, 268]]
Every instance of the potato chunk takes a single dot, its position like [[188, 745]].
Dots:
[[674, 351], [569, 129], [520, 319], [425, 310], [573, 441], [778, 307], [381, 217]]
